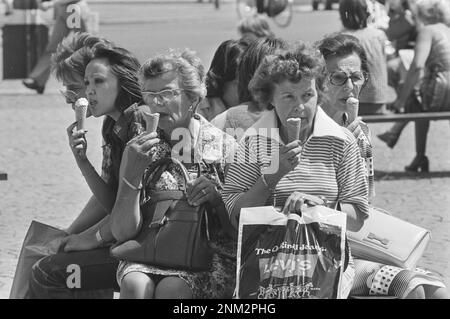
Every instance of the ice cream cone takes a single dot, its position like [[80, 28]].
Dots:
[[151, 121], [352, 109], [81, 106], [294, 131]]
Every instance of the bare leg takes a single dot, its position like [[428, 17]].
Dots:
[[173, 288], [422, 127], [137, 285]]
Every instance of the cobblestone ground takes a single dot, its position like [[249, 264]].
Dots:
[[45, 184]]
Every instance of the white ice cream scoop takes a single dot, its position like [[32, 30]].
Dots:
[[80, 108], [352, 111]]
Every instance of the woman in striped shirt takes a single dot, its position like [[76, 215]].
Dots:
[[317, 164]]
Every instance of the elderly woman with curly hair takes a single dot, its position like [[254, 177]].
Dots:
[[173, 86], [320, 163]]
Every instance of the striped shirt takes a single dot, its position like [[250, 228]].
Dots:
[[330, 164]]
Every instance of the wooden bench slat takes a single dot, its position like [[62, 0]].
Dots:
[[380, 118]]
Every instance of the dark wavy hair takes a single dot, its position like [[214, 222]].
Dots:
[[354, 14], [296, 63], [341, 45], [125, 66], [250, 61], [73, 54], [223, 67]]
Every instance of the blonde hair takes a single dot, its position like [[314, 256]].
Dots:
[[433, 11]]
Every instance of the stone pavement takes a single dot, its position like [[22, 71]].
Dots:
[[45, 184]]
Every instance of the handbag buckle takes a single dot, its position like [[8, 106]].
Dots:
[[159, 223], [383, 241]]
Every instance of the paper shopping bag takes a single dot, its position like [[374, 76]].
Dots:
[[35, 246], [290, 257]]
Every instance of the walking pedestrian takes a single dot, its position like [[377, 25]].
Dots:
[[70, 15]]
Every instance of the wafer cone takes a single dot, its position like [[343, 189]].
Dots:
[[294, 130], [151, 121], [80, 108], [352, 109]]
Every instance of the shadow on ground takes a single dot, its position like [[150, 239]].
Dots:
[[386, 175]]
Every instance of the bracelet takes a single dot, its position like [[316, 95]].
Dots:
[[99, 237], [266, 184], [138, 188]]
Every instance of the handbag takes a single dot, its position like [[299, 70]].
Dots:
[[173, 234], [36, 246], [387, 239]]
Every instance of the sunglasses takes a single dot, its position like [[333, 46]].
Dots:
[[160, 97], [339, 78]]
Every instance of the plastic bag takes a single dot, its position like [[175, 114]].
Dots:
[[35, 246], [291, 257]]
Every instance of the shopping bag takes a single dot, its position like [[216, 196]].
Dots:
[[36, 245], [290, 257]]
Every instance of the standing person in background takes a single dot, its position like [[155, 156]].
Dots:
[[8, 6], [253, 27], [67, 19], [221, 80], [376, 93], [430, 69], [250, 110]]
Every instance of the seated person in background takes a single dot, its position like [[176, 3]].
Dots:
[[221, 80], [182, 74], [427, 84], [237, 119], [376, 92]]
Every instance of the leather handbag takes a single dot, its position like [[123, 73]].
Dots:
[[173, 234], [389, 240]]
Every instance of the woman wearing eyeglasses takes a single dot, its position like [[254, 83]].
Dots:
[[346, 74], [355, 18], [173, 85]]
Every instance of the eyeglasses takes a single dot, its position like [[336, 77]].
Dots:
[[339, 78], [161, 96], [70, 96]]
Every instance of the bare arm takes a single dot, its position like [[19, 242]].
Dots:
[[90, 215], [78, 144], [415, 72]]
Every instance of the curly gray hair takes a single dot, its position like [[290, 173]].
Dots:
[[188, 67]]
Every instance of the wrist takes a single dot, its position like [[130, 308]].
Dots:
[[270, 181]]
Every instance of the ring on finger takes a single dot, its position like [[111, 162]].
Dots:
[[203, 191]]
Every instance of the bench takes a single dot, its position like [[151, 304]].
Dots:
[[381, 118], [3, 176]]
